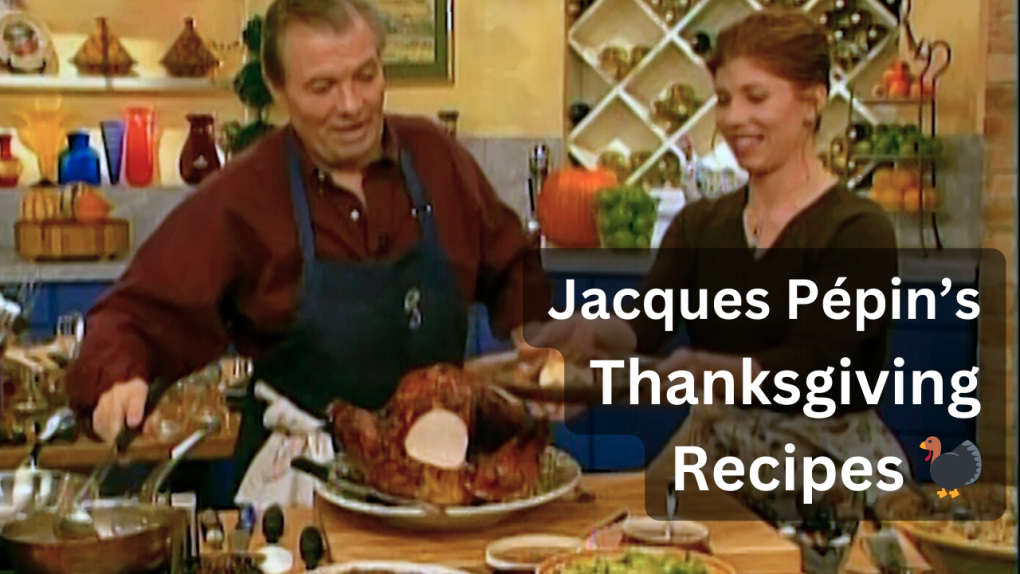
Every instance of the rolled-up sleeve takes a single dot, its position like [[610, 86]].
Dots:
[[162, 317]]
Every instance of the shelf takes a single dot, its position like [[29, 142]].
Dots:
[[85, 452], [654, 81], [622, 24], [714, 15], [909, 102], [618, 129], [895, 158], [653, 163], [623, 116], [26, 83]]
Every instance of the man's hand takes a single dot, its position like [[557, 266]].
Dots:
[[123, 402]]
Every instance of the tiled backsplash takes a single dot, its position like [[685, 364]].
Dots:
[[505, 161]]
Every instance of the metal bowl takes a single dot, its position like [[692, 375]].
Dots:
[[562, 476], [381, 566], [30, 490], [132, 537]]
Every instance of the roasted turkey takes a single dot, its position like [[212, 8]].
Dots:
[[444, 438]]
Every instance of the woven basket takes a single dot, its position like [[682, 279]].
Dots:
[[72, 240]]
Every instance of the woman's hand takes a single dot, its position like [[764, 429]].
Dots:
[[581, 339], [699, 362], [555, 412]]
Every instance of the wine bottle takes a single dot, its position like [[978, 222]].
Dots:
[[893, 6], [701, 43], [860, 19], [858, 132], [840, 35], [827, 19], [875, 34], [843, 21]]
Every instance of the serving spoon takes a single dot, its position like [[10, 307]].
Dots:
[[24, 483], [75, 522]]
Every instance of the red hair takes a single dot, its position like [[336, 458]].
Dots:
[[785, 41]]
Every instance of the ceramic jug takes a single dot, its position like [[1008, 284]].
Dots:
[[199, 158]]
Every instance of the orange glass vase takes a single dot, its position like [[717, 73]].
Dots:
[[139, 149]]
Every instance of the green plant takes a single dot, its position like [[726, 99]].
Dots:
[[250, 86]]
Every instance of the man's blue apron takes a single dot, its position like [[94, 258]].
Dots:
[[360, 326]]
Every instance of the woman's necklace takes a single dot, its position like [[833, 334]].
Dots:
[[754, 227]]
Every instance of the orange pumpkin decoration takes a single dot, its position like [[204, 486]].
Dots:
[[90, 206], [40, 204], [566, 206]]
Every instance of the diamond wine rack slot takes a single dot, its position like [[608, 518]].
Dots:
[[638, 89]]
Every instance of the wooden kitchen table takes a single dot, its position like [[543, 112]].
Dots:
[[751, 546], [86, 453]]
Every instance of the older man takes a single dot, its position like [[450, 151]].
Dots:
[[340, 252]]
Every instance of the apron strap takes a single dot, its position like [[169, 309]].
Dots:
[[422, 206], [302, 210]]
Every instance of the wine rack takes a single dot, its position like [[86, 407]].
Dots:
[[900, 144], [638, 92]]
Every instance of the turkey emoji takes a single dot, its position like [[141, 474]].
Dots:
[[954, 469]]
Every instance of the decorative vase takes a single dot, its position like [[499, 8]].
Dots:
[[189, 57], [10, 166], [79, 162], [102, 54], [113, 144], [199, 158], [43, 132], [140, 161]]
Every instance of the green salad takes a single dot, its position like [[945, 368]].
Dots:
[[637, 562]]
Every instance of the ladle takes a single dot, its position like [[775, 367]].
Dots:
[[58, 423], [24, 476], [75, 522]]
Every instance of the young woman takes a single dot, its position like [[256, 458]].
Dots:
[[793, 220]]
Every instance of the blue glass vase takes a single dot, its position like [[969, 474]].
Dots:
[[113, 144], [79, 162]]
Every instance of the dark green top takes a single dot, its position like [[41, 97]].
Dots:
[[839, 235]]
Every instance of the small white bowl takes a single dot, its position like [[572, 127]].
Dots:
[[542, 541], [651, 531]]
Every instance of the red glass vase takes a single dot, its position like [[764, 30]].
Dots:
[[139, 152], [199, 158]]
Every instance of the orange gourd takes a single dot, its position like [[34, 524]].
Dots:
[[90, 206], [566, 206], [40, 204]]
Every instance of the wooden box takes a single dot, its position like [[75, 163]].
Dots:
[[58, 240]]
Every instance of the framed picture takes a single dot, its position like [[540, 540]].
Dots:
[[419, 40]]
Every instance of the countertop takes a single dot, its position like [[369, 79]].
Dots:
[[954, 264], [750, 545], [85, 452], [958, 264], [14, 269]]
